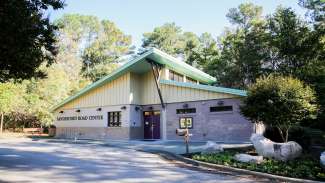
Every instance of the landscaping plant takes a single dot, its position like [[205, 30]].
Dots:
[[279, 102]]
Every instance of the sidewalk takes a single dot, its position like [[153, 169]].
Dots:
[[175, 147]]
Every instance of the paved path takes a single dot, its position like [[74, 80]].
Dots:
[[25, 160]]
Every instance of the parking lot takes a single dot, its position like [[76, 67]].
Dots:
[[28, 160]]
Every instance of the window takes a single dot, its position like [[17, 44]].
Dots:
[[114, 119], [185, 122], [185, 111], [175, 76], [202, 83], [221, 108], [190, 80]]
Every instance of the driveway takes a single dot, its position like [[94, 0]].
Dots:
[[27, 160]]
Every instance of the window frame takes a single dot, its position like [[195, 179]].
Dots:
[[222, 111], [173, 74], [116, 117], [192, 111], [191, 80], [186, 118]]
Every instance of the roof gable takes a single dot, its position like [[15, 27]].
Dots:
[[158, 57]]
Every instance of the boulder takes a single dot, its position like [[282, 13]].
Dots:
[[279, 151], [212, 147], [246, 158], [322, 159]]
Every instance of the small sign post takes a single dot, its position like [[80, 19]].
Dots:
[[185, 133]]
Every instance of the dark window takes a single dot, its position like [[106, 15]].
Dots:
[[175, 76], [185, 111], [190, 80], [185, 122], [114, 119], [220, 108]]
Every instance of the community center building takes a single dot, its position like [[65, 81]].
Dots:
[[150, 97]]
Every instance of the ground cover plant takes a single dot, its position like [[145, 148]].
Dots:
[[305, 167]]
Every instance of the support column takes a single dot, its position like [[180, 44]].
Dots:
[[164, 123]]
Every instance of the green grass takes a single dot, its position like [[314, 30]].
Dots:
[[304, 167]]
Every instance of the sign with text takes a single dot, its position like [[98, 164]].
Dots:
[[74, 118]]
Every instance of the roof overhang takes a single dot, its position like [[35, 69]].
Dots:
[[138, 65]]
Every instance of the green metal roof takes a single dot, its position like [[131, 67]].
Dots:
[[155, 55], [205, 87]]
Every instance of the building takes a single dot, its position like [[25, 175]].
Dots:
[[150, 97]]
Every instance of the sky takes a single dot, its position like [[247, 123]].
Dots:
[[135, 17]]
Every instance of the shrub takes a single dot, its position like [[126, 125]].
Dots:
[[305, 167], [279, 102]]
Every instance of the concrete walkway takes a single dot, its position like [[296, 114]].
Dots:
[[28, 160], [175, 147]]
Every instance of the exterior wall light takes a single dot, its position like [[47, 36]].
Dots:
[[185, 106], [221, 102], [137, 108], [150, 108], [99, 109], [123, 108], [78, 110]]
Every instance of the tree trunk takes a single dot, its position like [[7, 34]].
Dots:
[[1, 123], [286, 135], [281, 134]]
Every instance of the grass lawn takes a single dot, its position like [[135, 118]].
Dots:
[[304, 167]]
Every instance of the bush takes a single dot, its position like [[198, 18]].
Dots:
[[279, 102], [305, 167]]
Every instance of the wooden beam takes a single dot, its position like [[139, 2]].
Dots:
[[156, 71]]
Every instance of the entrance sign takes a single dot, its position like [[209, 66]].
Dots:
[[73, 118]]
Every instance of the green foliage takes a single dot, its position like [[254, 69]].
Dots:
[[8, 97], [317, 13], [279, 102], [98, 44], [167, 38], [242, 49], [27, 38], [304, 167]]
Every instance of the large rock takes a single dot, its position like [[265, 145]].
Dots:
[[246, 158], [212, 147], [279, 151], [322, 159]]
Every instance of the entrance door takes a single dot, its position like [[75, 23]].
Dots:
[[151, 124]]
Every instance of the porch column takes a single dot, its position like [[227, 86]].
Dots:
[[164, 123]]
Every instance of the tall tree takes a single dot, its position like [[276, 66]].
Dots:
[[206, 52], [95, 45], [27, 37], [317, 13], [167, 38], [242, 48]]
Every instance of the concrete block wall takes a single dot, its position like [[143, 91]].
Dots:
[[216, 126]]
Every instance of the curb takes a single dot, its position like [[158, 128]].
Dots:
[[175, 157]]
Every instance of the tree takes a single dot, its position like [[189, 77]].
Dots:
[[317, 13], [92, 44], [242, 48], [298, 50], [27, 37], [167, 38], [279, 102], [110, 45], [191, 46], [206, 52], [8, 100]]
